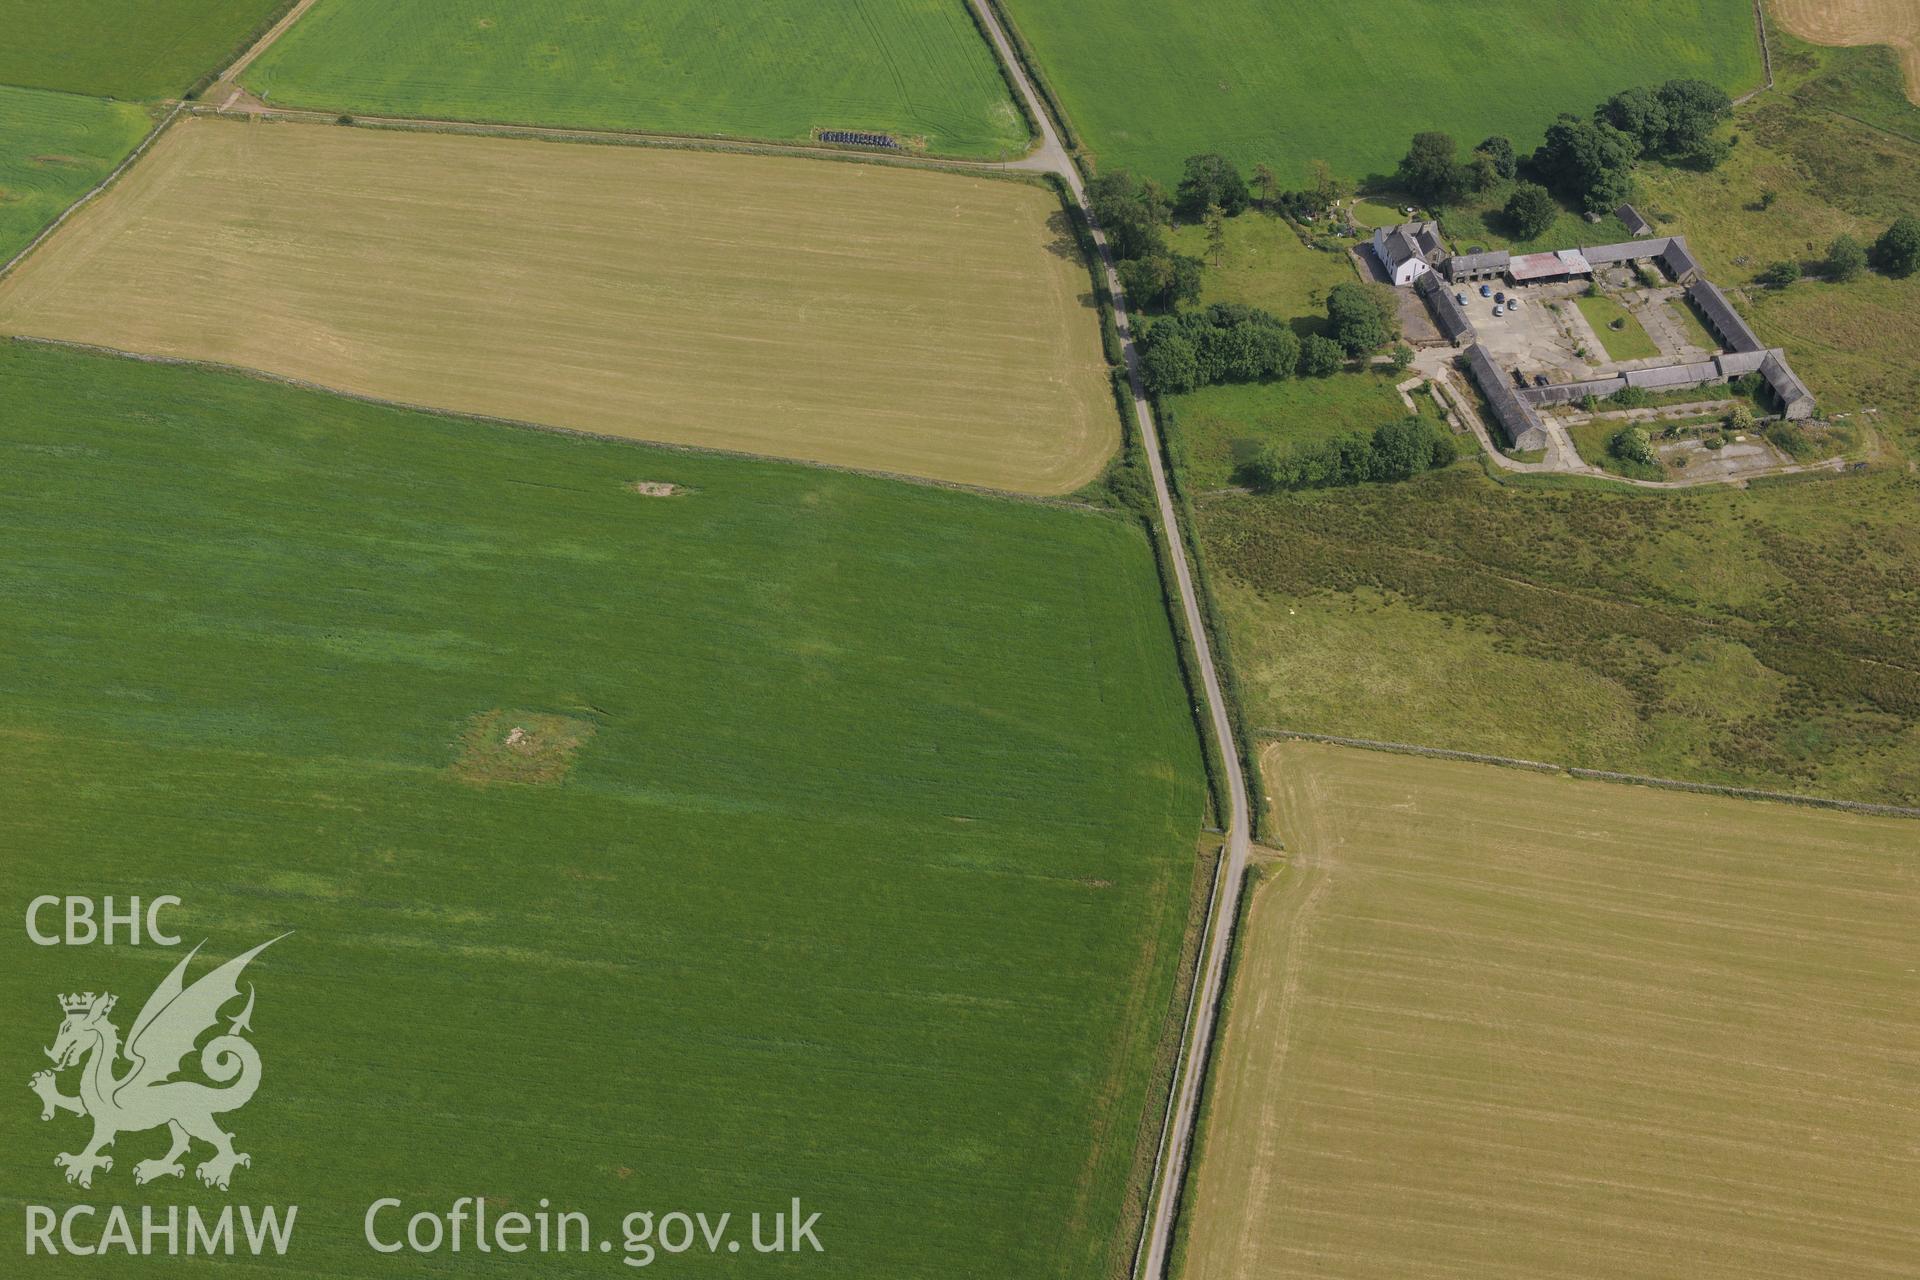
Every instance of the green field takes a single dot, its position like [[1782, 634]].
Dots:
[[54, 147], [918, 69], [1217, 430], [1492, 1024], [1628, 342], [1592, 440], [1265, 265], [1146, 84], [125, 48], [852, 863]]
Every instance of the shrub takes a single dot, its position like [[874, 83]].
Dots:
[[1897, 251], [1631, 444], [1363, 319], [1792, 441], [1846, 259], [1320, 357], [1740, 418], [1170, 365], [1779, 274], [1630, 398], [1530, 210]]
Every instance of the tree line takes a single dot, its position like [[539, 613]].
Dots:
[[1394, 451]]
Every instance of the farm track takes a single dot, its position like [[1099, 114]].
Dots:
[[244, 105]]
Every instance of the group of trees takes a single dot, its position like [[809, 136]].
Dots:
[[1675, 122], [1432, 172], [1135, 214], [1591, 161], [1228, 342], [1587, 161], [1896, 252], [1225, 342], [1395, 451]]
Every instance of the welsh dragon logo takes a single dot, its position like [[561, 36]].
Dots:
[[146, 1095]]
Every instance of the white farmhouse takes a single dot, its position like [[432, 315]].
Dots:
[[1409, 250]]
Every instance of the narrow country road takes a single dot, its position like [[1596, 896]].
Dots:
[[1177, 1142]]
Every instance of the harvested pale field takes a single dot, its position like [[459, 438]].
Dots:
[[1495, 1024], [926, 323], [1851, 22]]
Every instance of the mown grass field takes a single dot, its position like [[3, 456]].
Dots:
[[1628, 342], [1147, 84], [1497, 1024], [926, 323], [53, 148], [852, 862], [918, 69], [134, 49]]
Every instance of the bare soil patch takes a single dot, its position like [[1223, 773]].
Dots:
[[525, 747]]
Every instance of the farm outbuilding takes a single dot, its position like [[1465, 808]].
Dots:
[[1727, 324], [1516, 419], [1462, 267], [1545, 268], [1447, 313]]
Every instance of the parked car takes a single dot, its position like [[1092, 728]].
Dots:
[[1486, 291], [1513, 304], [1539, 379], [1499, 310], [1499, 297], [1519, 378], [1460, 298]]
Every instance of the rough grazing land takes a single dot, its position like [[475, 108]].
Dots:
[[1768, 637], [1500, 1025], [124, 48], [917, 69], [916, 322], [53, 148], [1147, 83], [1889, 22], [867, 885]]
